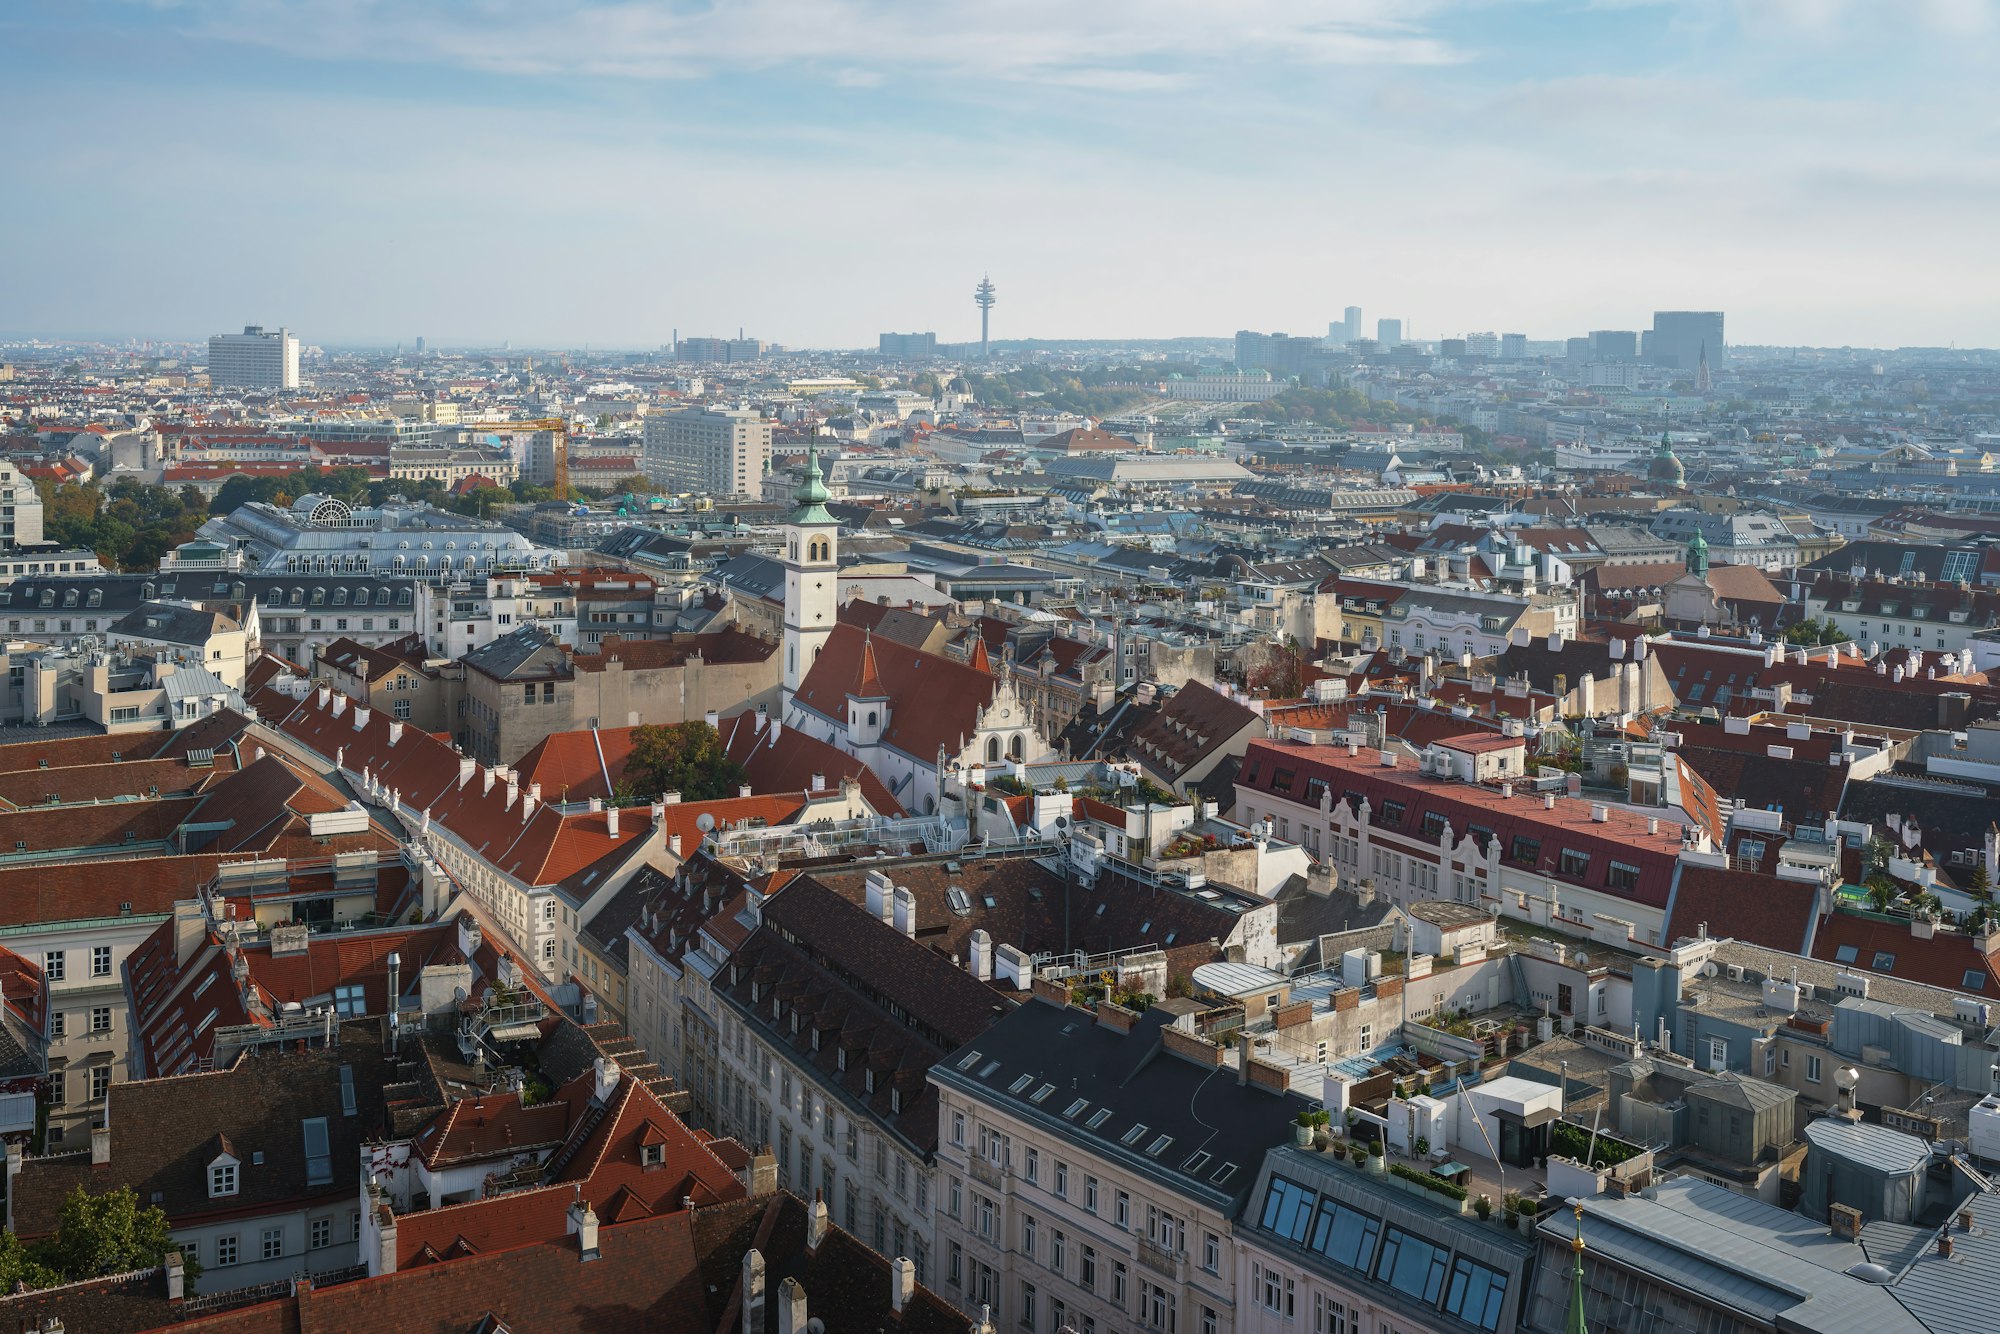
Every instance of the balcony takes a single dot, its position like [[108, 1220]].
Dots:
[[1167, 1263], [986, 1173]]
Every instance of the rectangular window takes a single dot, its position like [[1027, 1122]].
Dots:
[[222, 1179], [1031, 1170], [1086, 1268], [1524, 851], [1062, 1180], [1028, 1305], [1058, 1252], [1123, 1217], [1476, 1294], [58, 1025], [100, 1082], [100, 1019], [1090, 1194], [322, 1233], [100, 961], [1411, 1265], [225, 1252], [1575, 865], [1623, 875], [55, 965], [1211, 1252], [1812, 1069], [273, 1243]]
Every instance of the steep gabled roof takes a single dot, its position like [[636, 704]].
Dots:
[[934, 701]]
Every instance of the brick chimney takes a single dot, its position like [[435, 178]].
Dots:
[[815, 1223]]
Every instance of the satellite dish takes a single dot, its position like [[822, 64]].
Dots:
[[1709, 970], [704, 822], [1062, 822], [1581, 959]]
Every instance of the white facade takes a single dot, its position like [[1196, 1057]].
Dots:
[[90, 1025], [254, 359], [704, 451]]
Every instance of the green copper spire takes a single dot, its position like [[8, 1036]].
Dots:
[[1697, 556], [1576, 1324], [812, 494]]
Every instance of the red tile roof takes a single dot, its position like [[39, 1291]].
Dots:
[[787, 761], [1948, 959], [545, 849], [1290, 771], [1742, 905], [934, 701]]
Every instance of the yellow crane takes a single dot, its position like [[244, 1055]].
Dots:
[[556, 427]]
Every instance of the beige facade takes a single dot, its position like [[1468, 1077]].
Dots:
[[663, 681]]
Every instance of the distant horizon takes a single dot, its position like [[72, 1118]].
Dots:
[[433, 345], [606, 171]]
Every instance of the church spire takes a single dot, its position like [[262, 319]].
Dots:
[[812, 494], [1576, 1323]]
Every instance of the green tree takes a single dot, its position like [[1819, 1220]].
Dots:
[[680, 757], [105, 1234], [1978, 884], [20, 1267]]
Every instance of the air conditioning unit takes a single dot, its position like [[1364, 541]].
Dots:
[[1735, 971]]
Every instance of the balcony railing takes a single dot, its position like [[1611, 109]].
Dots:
[[1161, 1260]]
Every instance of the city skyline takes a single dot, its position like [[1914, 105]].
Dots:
[[648, 168]]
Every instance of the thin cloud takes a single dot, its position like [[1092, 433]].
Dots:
[[1113, 44]]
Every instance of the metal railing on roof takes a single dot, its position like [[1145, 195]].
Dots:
[[934, 834]]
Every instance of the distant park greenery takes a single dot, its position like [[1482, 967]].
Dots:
[[1096, 392]]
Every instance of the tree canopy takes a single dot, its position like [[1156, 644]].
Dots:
[[98, 1235], [679, 757]]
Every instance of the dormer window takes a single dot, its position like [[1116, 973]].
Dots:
[[868, 1081], [895, 1100], [221, 1178], [840, 1059], [652, 1155]]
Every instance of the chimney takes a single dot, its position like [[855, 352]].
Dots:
[[528, 807], [466, 766], [1242, 1058], [487, 784], [606, 1082], [513, 791], [396, 989], [712, 718], [176, 1276], [753, 1292], [395, 732], [777, 730], [819, 782], [906, 912], [611, 820], [981, 960], [385, 1237], [742, 789], [361, 717], [1944, 1244], [100, 1145], [791, 1307], [583, 1226], [674, 845], [880, 891], [815, 1222], [902, 1283], [535, 791]]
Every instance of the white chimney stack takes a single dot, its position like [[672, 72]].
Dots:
[[611, 820]]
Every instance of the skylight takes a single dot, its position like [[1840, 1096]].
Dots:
[[967, 1061], [1134, 1135], [1075, 1107], [1098, 1118], [1020, 1083]]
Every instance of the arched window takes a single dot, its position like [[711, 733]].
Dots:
[[993, 748], [1017, 748], [871, 718]]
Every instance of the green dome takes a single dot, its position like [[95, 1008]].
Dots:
[[1666, 465], [812, 494]]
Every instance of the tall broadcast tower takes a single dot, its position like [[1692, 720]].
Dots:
[[983, 297]]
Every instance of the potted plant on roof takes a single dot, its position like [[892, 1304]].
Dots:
[[1302, 1131], [1321, 1135], [1376, 1163]]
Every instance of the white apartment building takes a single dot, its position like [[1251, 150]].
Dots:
[[20, 510], [254, 359], [1225, 386], [708, 451]]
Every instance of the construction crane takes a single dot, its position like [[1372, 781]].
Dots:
[[556, 427]]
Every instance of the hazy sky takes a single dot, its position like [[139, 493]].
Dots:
[[815, 171]]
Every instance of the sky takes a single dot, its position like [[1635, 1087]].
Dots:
[[562, 173]]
